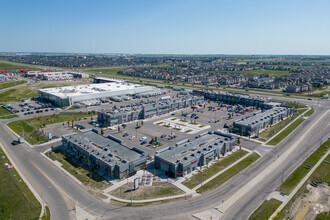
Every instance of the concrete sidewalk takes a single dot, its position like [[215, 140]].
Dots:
[[288, 198]]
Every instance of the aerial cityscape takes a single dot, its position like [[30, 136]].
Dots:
[[165, 110]]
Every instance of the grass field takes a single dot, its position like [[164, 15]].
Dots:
[[7, 66], [323, 216], [286, 132], [214, 169], [16, 199], [292, 181], [33, 133], [157, 190], [8, 84], [4, 113], [265, 210], [75, 168], [222, 178], [18, 94], [271, 131]]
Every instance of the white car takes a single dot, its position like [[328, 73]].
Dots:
[[131, 137], [143, 139]]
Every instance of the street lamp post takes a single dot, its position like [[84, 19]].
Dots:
[[22, 130]]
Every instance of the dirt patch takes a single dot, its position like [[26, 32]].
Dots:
[[314, 201]]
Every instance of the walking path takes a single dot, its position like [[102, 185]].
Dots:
[[288, 198]]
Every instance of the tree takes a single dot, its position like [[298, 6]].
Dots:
[[124, 126], [177, 95], [241, 133], [238, 140], [137, 123], [92, 118], [102, 132], [118, 128], [106, 124], [141, 122]]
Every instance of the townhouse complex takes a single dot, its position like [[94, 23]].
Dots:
[[108, 155], [187, 154]]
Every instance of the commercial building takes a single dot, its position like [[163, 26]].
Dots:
[[118, 116], [69, 95], [108, 155], [53, 75], [187, 155], [234, 98], [261, 120]]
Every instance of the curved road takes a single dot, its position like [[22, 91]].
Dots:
[[61, 193]]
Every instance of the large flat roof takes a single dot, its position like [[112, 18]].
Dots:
[[90, 89]]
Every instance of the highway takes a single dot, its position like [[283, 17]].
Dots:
[[61, 193]]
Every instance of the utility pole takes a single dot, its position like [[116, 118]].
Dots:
[[22, 130], [202, 181], [131, 194]]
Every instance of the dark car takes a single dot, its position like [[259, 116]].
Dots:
[[163, 136], [125, 135], [137, 127], [15, 142], [143, 142], [196, 117]]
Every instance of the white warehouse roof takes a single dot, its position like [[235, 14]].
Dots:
[[100, 90]]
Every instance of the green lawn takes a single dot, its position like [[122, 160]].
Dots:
[[7, 66], [309, 113], [4, 113], [265, 210], [81, 173], [214, 169], [8, 84], [16, 199], [33, 133], [271, 131], [292, 181], [222, 178], [286, 132], [72, 108], [18, 94], [323, 216], [157, 190]]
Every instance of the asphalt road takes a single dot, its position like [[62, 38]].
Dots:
[[60, 192]]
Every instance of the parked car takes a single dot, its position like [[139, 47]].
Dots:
[[131, 137], [143, 138], [143, 142], [163, 136], [125, 135]]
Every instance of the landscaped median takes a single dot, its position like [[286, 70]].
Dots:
[[231, 172], [292, 181], [265, 210], [270, 132], [157, 190], [32, 128], [195, 180]]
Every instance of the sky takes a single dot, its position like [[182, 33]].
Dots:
[[166, 26]]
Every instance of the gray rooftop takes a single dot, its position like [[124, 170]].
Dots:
[[193, 149], [104, 148], [257, 117]]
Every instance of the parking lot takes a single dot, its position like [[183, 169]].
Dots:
[[193, 121]]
